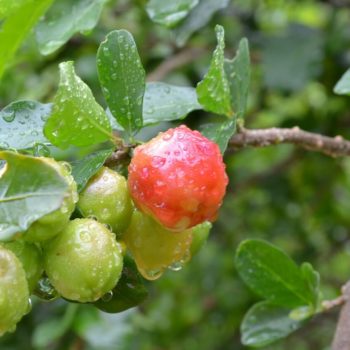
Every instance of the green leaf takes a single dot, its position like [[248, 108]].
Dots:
[[343, 85], [220, 132], [312, 278], [270, 273], [122, 78], [214, 90], [7, 7], [29, 189], [265, 323], [238, 75], [64, 19], [129, 292], [50, 331], [76, 119], [198, 18], [165, 102], [16, 27], [84, 169], [169, 13], [21, 124]]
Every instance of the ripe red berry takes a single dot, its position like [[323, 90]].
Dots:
[[178, 178]]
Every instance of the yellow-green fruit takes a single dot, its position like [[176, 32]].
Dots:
[[154, 247], [84, 261], [14, 293], [107, 198], [51, 224], [29, 255]]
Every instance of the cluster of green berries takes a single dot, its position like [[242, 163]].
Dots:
[[160, 215]]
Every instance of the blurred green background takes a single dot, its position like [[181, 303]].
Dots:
[[296, 199]]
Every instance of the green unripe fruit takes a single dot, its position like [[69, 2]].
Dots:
[[30, 256], [106, 197], [51, 224], [84, 261], [14, 293], [200, 235], [155, 248]]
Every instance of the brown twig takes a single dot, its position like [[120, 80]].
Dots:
[[341, 340], [331, 146], [178, 60]]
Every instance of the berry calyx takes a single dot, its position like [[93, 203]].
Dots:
[[178, 178], [106, 197], [51, 224], [14, 293], [84, 261], [155, 248]]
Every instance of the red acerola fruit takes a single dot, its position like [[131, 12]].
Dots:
[[178, 178]]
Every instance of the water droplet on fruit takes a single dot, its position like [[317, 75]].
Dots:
[[152, 274], [108, 296], [45, 290], [158, 162], [29, 306], [9, 117], [176, 266]]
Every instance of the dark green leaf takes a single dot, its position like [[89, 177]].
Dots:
[[238, 75], [165, 102], [16, 27], [169, 13], [64, 19], [122, 78], [214, 90], [220, 132], [21, 124], [343, 85], [76, 119], [198, 18], [269, 272], [129, 292], [265, 323], [87, 167], [292, 58], [29, 189]]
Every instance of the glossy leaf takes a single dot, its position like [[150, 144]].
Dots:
[[165, 102], [129, 292], [21, 124], [238, 75], [198, 18], [214, 90], [270, 273], [265, 323], [85, 168], [220, 132], [169, 13], [76, 119], [16, 27], [122, 78], [29, 189], [64, 19], [343, 85]]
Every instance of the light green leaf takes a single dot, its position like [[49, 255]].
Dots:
[[270, 273], [21, 124], [87, 167], [64, 19], [214, 90], [343, 85], [165, 102], [238, 75], [169, 13], [312, 278], [7, 7], [29, 189], [122, 78], [198, 18], [16, 27], [76, 119], [265, 323], [220, 132]]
